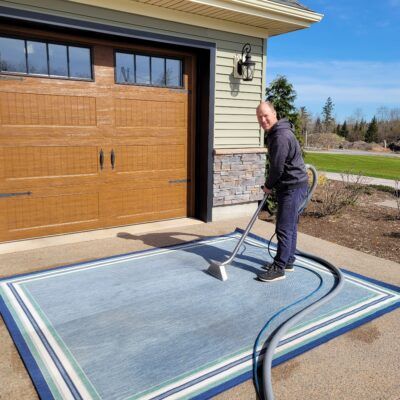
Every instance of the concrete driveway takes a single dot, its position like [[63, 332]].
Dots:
[[361, 364]]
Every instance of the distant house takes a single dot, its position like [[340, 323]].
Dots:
[[120, 112]]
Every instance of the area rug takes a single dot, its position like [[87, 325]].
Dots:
[[155, 325]]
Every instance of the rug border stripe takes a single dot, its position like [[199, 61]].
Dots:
[[31, 366], [372, 280]]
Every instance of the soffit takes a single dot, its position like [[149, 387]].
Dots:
[[260, 18]]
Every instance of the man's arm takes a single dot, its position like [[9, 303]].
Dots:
[[277, 151]]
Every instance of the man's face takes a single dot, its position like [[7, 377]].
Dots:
[[266, 117]]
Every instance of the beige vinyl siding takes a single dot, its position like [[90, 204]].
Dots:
[[235, 100]]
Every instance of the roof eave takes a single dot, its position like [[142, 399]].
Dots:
[[278, 18]]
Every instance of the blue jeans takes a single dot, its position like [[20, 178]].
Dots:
[[287, 218]]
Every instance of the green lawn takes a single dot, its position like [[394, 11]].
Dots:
[[379, 167]]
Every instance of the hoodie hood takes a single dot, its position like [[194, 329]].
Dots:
[[283, 123]]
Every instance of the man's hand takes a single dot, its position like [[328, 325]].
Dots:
[[266, 190]]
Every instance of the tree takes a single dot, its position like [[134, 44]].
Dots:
[[337, 130], [357, 131], [344, 132], [355, 127], [362, 129], [282, 96], [305, 119], [327, 115], [372, 132], [318, 126]]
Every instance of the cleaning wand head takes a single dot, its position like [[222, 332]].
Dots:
[[217, 270]]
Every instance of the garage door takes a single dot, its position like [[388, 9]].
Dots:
[[92, 134]]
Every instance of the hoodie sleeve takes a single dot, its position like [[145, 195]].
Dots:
[[278, 151]]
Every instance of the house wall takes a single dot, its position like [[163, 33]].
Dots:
[[235, 125]]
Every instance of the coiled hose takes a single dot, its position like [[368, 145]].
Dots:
[[268, 393]]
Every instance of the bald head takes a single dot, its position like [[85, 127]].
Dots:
[[266, 115]]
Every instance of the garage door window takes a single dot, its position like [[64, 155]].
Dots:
[[45, 59], [137, 69]]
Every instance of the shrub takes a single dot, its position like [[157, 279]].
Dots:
[[333, 197]]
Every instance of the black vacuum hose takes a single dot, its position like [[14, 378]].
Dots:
[[267, 363]]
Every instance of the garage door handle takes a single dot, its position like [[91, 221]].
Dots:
[[15, 194], [101, 158], [112, 159]]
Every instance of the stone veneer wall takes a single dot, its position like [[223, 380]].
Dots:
[[238, 175]]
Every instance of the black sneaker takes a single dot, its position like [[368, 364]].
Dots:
[[288, 268], [273, 274]]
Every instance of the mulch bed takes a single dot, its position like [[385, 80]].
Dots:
[[365, 226]]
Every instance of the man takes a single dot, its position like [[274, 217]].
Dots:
[[287, 174]]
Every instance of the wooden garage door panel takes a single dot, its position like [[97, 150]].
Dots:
[[47, 109], [45, 211], [55, 162], [50, 211], [129, 205], [150, 113], [135, 158]]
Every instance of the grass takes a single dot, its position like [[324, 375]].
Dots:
[[376, 166]]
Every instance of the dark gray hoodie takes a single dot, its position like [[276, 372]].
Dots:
[[286, 165]]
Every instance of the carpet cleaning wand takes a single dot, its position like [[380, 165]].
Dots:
[[217, 269]]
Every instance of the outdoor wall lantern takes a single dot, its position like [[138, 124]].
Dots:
[[245, 67]]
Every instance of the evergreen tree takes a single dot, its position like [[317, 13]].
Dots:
[[362, 129], [337, 131], [327, 115], [282, 95], [305, 119], [318, 126], [353, 136], [344, 132], [372, 131]]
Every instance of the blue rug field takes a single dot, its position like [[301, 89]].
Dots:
[[155, 325]]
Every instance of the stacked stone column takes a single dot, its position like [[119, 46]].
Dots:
[[238, 175]]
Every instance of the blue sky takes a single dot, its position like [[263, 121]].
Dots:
[[352, 55]]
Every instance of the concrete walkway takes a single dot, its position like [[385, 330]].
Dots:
[[361, 364], [367, 180]]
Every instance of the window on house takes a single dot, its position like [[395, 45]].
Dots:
[[158, 71], [32, 57], [126, 70], [79, 63], [141, 69], [12, 55], [58, 60], [174, 73]]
